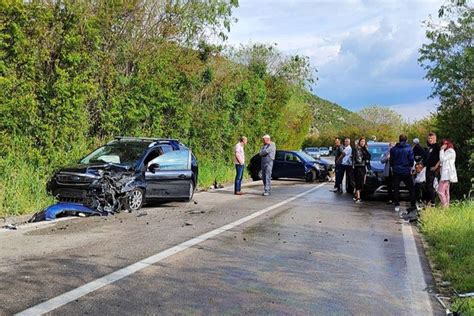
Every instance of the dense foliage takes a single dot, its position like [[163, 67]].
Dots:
[[73, 74], [448, 58]]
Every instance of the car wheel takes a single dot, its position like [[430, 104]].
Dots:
[[311, 176], [190, 193], [136, 199]]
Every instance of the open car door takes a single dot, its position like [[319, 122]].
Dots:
[[169, 176]]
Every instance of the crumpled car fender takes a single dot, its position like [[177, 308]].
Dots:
[[64, 208]]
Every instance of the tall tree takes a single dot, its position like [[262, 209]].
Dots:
[[449, 61]]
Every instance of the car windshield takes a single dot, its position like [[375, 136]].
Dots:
[[376, 151], [306, 157], [312, 149], [324, 148], [124, 153]]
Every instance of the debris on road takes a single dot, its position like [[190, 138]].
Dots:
[[10, 227]]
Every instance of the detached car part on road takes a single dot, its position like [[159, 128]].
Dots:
[[127, 172], [292, 164]]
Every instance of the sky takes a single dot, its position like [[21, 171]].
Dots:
[[365, 51]]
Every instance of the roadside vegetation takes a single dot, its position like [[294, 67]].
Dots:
[[450, 235], [74, 74]]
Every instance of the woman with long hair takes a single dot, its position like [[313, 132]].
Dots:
[[361, 162], [447, 158]]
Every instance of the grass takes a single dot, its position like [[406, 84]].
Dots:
[[450, 235], [210, 172]]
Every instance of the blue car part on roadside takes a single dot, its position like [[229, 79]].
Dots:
[[65, 208]]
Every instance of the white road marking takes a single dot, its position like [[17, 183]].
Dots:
[[92, 286], [419, 298]]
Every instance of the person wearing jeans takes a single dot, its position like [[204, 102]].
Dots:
[[346, 163], [239, 161], [402, 160], [338, 166], [447, 158]]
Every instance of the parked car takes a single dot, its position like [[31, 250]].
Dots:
[[163, 170], [313, 152], [291, 164], [324, 151]]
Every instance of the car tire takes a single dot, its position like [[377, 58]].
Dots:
[[311, 176], [135, 200], [191, 192]]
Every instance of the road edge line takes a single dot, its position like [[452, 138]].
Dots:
[[420, 299]]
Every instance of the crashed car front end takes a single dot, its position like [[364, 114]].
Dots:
[[105, 189]]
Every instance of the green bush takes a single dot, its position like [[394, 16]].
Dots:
[[73, 74]]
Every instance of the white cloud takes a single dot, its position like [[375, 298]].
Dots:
[[365, 50], [416, 110]]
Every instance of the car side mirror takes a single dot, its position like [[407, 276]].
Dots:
[[154, 167]]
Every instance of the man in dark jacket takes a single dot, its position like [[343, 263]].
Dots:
[[431, 163], [418, 151], [402, 161]]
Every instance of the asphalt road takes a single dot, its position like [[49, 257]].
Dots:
[[306, 251]]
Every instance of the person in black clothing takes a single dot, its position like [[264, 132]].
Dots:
[[339, 149], [402, 160], [431, 163], [361, 162], [418, 151]]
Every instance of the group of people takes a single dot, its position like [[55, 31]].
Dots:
[[352, 163], [267, 154], [423, 171]]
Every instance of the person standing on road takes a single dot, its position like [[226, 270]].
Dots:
[[447, 157], [432, 167], [418, 151], [361, 162], [387, 172], [239, 162], [338, 150], [267, 152], [402, 160], [346, 163]]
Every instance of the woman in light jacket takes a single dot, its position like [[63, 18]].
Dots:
[[447, 158]]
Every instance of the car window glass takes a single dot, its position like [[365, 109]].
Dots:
[[376, 151], [117, 152], [173, 160], [166, 148], [291, 157], [280, 155], [152, 155]]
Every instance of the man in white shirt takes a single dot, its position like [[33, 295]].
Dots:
[[239, 162], [347, 165]]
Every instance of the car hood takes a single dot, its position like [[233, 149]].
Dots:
[[377, 166], [92, 169]]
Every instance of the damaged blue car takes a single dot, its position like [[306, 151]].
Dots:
[[126, 173]]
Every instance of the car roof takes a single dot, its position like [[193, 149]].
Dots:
[[151, 141]]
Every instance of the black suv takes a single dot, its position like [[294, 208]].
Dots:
[[164, 170]]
